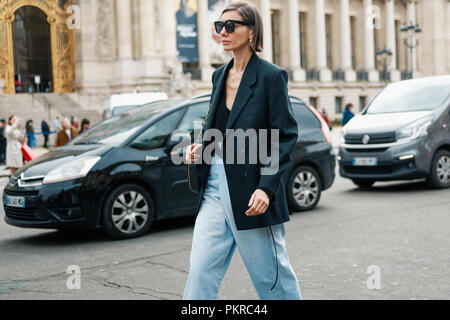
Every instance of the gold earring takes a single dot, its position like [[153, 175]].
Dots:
[[251, 40]]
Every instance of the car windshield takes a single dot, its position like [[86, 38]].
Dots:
[[113, 131], [410, 96]]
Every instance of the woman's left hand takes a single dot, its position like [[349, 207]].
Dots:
[[259, 202]]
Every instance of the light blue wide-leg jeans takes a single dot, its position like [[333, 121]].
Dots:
[[215, 238]]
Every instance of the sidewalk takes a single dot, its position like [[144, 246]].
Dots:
[[39, 151]]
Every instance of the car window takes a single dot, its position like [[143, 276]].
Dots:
[[116, 129], [306, 120], [194, 113], [156, 135]]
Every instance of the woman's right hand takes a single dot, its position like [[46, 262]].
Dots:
[[192, 153]]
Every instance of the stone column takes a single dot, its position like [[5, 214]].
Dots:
[[321, 52], [390, 41], [411, 18], [152, 42], [124, 68], [346, 46], [169, 27], [448, 39], [204, 34], [148, 27], [152, 62], [267, 22], [369, 50], [298, 74]]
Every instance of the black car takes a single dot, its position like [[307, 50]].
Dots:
[[119, 174]]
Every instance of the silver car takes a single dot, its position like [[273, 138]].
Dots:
[[404, 133]]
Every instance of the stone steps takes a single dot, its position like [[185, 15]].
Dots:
[[39, 106]]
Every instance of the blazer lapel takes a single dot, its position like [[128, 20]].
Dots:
[[215, 98], [243, 94], [245, 90]]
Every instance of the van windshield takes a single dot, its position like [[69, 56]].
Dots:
[[116, 129], [121, 109], [410, 96]]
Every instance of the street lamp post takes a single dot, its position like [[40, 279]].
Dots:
[[409, 34], [384, 56]]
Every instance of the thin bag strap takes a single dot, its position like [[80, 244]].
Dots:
[[205, 119]]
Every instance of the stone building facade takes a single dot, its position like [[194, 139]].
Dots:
[[100, 47]]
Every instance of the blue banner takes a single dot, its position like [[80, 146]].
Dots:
[[187, 37]]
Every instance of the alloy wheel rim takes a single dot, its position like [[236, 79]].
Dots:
[[305, 189], [130, 211], [443, 170]]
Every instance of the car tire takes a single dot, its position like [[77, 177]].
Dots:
[[439, 177], [128, 212], [363, 183], [304, 189]]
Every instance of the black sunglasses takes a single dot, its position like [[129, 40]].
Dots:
[[229, 25]]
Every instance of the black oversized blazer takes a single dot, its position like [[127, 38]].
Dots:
[[261, 102]]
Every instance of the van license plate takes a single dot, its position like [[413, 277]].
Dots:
[[18, 202], [368, 161]]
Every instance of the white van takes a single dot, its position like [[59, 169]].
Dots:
[[119, 103]]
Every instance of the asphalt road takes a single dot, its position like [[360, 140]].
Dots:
[[397, 232]]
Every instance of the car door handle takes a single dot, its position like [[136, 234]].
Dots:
[[151, 158]]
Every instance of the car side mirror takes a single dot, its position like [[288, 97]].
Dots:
[[170, 145]]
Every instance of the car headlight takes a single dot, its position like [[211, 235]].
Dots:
[[414, 130], [71, 170]]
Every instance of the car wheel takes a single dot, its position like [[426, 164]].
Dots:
[[304, 189], [439, 177], [128, 212], [363, 184]]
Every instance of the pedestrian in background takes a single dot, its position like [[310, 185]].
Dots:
[[66, 134], [57, 124], [45, 132], [30, 134], [325, 117], [74, 123], [348, 114], [2, 142], [15, 139], [84, 125]]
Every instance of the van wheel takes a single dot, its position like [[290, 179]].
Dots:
[[363, 184], [439, 177], [128, 212], [304, 189]]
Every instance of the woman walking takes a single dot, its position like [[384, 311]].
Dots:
[[348, 114], [14, 139], [239, 206]]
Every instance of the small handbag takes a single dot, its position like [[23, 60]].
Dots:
[[191, 169]]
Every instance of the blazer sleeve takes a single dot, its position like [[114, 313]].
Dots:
[[281, 117]]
